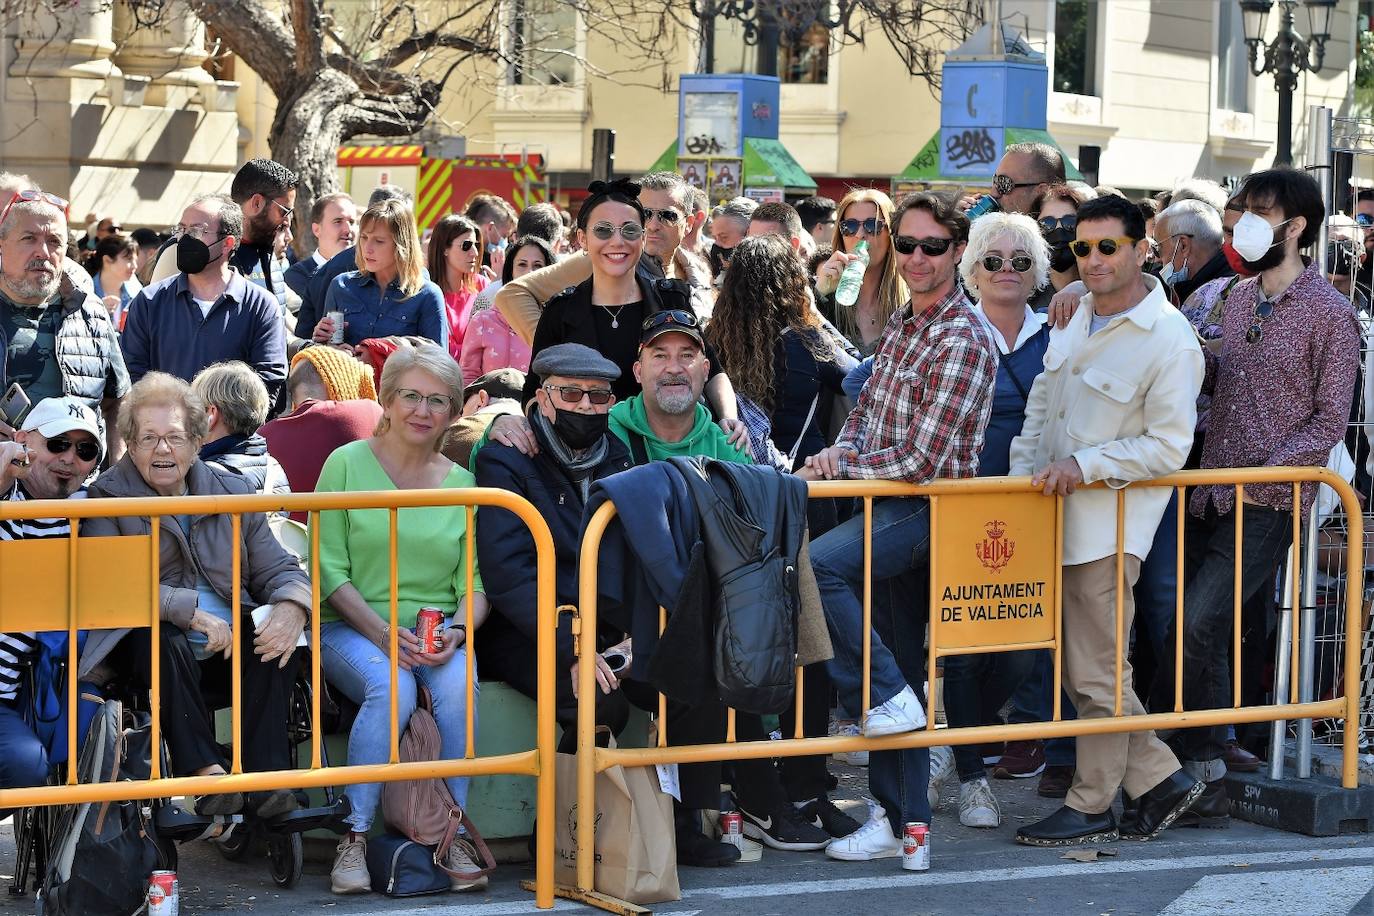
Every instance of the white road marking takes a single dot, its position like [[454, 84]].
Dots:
[[1276, 893]]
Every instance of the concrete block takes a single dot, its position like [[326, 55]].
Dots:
[[1318, 806]]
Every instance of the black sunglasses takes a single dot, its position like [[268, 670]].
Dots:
[[932, 247], [1084, 247], [572, 394], [1263, 309], [467, 244], [1005, 184], [1020, 263], [669, 316], [86, 450], [871, 226], [1050, 223], [667, 215]]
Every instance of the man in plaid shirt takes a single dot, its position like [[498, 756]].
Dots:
[[920, 416]]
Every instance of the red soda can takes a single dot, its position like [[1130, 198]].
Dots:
[[429, 623], [732, 829], [164, 898], [916, 846]]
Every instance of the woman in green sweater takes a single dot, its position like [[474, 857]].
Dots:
[[421, 392]]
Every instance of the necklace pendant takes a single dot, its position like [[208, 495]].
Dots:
[[615, 322]]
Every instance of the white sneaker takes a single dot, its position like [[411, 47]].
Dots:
[[349, 874], [463, 858], [941, 769], [977, 805], [874, 840], [902, 713], [853, 758]]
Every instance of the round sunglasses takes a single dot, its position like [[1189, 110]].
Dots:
[[1019, 263], [871, 226], [1083, 247], [630, 232], [1050, 223], [931, 247]]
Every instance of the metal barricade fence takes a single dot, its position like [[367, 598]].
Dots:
[[74, 583], [944, 498]]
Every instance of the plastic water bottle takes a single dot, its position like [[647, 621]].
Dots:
[[847, 293]]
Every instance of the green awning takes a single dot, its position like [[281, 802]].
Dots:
[[925, 166], [767, 164]]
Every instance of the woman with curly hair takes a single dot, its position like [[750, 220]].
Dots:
[[764, 308]]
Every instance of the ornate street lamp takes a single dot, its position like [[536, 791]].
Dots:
[[1288, 55]]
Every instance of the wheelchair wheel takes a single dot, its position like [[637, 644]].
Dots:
[[235, 846], [286, 853]]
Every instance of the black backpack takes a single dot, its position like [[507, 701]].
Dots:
[[103, 852]]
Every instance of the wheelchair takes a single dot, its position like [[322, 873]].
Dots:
[[235, 836]]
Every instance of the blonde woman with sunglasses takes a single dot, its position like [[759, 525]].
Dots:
[[864, 215]]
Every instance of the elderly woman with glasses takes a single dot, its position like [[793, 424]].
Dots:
[[421, 393], [607, 311], [164, 423]]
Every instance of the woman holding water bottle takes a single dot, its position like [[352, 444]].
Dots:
[[864, 217]]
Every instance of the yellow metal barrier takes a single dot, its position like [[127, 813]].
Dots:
[[945, 493], [96, 583]]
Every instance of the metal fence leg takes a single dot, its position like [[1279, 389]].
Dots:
[[1307, 645], [1278, 732]]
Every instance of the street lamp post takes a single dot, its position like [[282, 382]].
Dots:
[[1288, 55]]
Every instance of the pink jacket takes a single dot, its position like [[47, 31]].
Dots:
[[491, 344]]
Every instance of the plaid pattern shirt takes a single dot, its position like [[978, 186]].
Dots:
[[922, 414]]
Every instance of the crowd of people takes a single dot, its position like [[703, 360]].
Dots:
[[1071, 335]]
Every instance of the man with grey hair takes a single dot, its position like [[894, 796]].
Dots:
[[1203, 189], [1188, 233], [57, 338], [206, 313], [729, 226]]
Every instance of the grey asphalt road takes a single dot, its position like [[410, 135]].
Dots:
[[1245, 870]]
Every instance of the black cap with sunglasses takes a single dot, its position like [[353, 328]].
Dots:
[[670, 321]]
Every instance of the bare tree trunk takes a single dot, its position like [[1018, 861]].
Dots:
[[305, 137]]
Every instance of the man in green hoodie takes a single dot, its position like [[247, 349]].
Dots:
[[667, 419]]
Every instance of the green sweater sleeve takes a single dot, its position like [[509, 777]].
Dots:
[[335, 566]]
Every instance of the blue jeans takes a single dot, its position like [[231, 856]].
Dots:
[[901, 539], [24, 762], [1156, 592], [1033, 701], [976, 686], [356, 666]]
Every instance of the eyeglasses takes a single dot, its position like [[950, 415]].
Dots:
[[114, 228], [667, 215], [630, 232], [438, 403], [1263, 309], [1083, 247], [198, 231], [286, 211], [669, 316], [30, 196], [1019, 263], [572, 395], [1050, 223], [871, 226], [467, 244], [932, 247], [86, 450], [147, 442], [1005, 184]]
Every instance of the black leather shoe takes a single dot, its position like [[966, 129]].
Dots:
[[695, 848], [1162, 805], [1067, 827], [1211, 810]]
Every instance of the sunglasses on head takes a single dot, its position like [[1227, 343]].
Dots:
[[1005, 184], [86, 450], [932, 247], [669, 316], [30, 196], [666, 215], [1050, 223], [1019, 263], [1083, 247], [572, 394], [871, 226], [630, 232]]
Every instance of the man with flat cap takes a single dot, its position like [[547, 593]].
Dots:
[[569, 420]]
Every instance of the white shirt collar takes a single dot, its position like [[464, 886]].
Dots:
[[318, 258], [1029, 328]]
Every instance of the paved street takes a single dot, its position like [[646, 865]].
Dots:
[[1243, 870]]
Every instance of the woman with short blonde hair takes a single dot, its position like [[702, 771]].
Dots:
[[388, 295]]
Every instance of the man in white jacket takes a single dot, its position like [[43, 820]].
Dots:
[[1116, 403]]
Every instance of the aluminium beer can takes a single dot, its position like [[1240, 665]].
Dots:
[[163, 894], [732, 829], [916, 846], [337, 336], [429, 623]]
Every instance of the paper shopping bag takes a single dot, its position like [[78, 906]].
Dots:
[[636, 847]]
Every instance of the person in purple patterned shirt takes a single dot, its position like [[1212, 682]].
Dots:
[[1281, 380]]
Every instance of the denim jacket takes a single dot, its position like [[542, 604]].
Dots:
[[371, 312]]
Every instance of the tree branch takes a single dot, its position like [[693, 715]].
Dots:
[[258, 37], [309, 34]]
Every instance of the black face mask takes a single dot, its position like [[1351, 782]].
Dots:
[[1061, 259], [580, 431], [720, 259], [193, 255], [1272, 258]]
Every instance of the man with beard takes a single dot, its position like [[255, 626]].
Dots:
[[1281, 384], [58, 339], [266, 192], [209, 312]]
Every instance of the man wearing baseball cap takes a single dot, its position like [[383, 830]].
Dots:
[[54, 451], [667, 418]]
